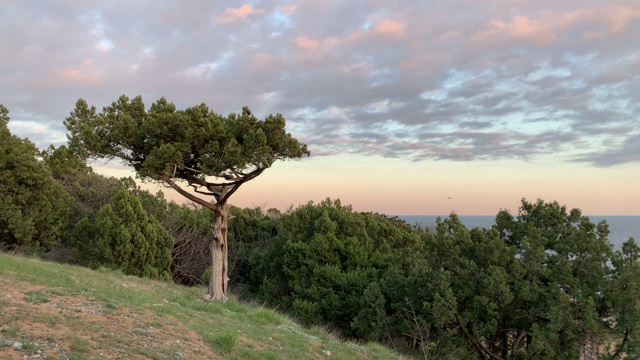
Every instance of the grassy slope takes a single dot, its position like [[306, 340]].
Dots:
[[50, 310]]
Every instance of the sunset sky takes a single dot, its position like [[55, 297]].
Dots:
[[408, 106]]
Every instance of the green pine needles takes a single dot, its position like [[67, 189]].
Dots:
[[122, 235]]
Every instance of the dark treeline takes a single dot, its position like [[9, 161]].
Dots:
[[544, 283]]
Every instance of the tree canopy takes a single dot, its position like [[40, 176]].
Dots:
[[33, 206], [122, 235], [195, 145], [214, 154], [544, 284]]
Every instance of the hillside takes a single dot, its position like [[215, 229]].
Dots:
[[56, 311]]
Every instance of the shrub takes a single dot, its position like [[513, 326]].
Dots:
[[122, 235]]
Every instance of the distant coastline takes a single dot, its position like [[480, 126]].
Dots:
[[621, 227]]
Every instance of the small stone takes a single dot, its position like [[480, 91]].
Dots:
[[326, 352]]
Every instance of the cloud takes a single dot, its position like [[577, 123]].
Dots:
[[521, 28], [629, 152], [80, 76], [459, 80], [290, 9], [306, 43], [619, 16], [235, 14], [390, 28], [86, 73]]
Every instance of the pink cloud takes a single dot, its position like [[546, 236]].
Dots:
[[291, 9], [80, 76], [618, 16], [315, 51], [538, 31], [231, 14], [423, 62], [449, 35], [263, 61], [390, 28], [545, 29], [85, 74], [306, 43], [383, 28], [614, 17]]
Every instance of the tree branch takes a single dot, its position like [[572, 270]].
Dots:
[[195, 189], [624, 342], [188, 195], [516, 343], [237, 184], [481, 349], [192, 179]]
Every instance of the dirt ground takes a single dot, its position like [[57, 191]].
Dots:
[[43, 323]]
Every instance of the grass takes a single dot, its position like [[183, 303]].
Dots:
[[225, 341], [11, 331], [79, 344], [78, 313], [37, 297]]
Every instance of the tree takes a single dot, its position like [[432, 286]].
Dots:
[[625, 298], [327, 263], [124, 236], [561, 287], [211, 153], [544, 284], [63, 163], [33, 206]]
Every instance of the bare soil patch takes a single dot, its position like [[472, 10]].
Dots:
[[44, 323]]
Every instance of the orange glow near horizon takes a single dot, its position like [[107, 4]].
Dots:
[[402, 187]]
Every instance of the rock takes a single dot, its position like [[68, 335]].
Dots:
[[326, 352]]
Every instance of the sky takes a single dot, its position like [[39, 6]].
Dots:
[[407, 106]]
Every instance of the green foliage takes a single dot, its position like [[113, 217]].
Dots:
[[624, 295], [34, 209], [539, 285], [162, 142], [37, 297], [250, 233], [324, 258], [543, 284], [88, 191], [225, 341], [4, 117], [63, 163], [122, 235], [214, 154]]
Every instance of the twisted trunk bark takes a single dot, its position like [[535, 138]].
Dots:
[[219, 254]]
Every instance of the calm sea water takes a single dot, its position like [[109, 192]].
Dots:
[[621, 227]]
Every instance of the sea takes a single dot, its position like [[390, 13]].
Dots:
[[621, 227]]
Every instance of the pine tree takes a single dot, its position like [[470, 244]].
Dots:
[[122, 235]]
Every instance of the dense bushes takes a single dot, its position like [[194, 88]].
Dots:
[[545, 284], [122, 235], [34, 208], [323, 260]]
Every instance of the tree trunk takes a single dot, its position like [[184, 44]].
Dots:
[[219, 255]]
